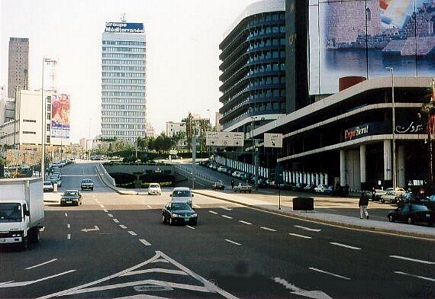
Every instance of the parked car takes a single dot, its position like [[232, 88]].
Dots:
[[179, 213], [87, 184], [182, 194], [218, 185], [393, 196], [379, 193], [412, 213], [320, 188], [298, 187], [309, 188], [243, 187], [430, 203], [154, 188], [48, 186], [71, 197]]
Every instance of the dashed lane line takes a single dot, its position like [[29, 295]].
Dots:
[[245, 222], [191, 227], [412, 260], [115, 220], [329, 273], [145, 242], [132, 233], [308, 229], [268, 229], [213, 212], [41, 264], [415, 276], [300, 236], [233, 242], [122, 226], [345, 246], [226, 216]]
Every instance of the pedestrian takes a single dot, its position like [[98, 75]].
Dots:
[[232, 184], [373, 194], [363, 203]]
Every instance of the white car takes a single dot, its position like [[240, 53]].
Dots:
[[182, 194], [154, 188]]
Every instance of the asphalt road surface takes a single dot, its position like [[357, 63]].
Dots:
[[114, 246]]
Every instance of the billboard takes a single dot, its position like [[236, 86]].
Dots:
[[236, 139], [363, 37], [123, 27], [60, 111]]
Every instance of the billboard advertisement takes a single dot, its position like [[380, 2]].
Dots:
[[363, 37], [60, 111]]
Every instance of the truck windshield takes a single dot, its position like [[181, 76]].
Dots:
[[10, 212]]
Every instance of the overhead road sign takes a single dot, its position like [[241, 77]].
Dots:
[[235, 139], [273, 140]]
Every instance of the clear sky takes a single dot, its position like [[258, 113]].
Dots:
[[182, 52]]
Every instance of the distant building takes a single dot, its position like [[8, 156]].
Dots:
[[173, 128], [149, 130], [18, 69], [123, 99]]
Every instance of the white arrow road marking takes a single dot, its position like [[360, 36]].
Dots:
[[309, 229], [42, 264], [329, 273], [208, 286], [412, 260], [96, 228], [300, 236], [298, 291], [344, 245], [245, 222], [26, 283], [416, 276]]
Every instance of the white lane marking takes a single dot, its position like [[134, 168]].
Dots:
[[156, 270], [26, 283], [66, 215], [232, 242], [345, 246], [68, 226], [329, 273], [110, 215], [132, 233], [122, 226], [301, 292], [416, 276], [308, 229], [412, 260], [102, 206], [96, 228], [105, 210], [300, 236], [213, 212], [42, 229], [268, 229], [41, 264], [245, 222], [225, 208], [226, 216], [68, 236], [145, 242], [115, 220], [149, 207], [191, 227]]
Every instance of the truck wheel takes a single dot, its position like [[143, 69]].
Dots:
[[34, 235], [24, 244]]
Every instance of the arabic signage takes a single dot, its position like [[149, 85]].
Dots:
[[273, 140], [225, 139], [405, 127]]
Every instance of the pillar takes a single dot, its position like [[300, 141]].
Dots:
[[388, 167], [342, 168], [363, 167]]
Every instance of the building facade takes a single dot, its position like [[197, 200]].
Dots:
[[18, 69], [123, 100], [253, 67]]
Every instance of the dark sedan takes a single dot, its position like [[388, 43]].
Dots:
[[179, 212], [412, 213], [71, 197]]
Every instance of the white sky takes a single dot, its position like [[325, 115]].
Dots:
[[182, 52]]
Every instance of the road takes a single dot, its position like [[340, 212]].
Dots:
[[116, 246]]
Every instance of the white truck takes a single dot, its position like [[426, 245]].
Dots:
[[21, 211]]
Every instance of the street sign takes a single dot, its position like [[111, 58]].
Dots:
[[224, 139], [273, 140]]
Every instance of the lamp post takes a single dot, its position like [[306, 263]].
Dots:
[[43, 116], [391, 70], [254, 151]]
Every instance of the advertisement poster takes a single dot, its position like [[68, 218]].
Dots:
[[60, 111], [362, 38]]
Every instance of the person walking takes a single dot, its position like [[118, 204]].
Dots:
[[363, 203], [232, 184]]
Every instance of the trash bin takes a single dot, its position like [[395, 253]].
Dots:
[[303, 203]]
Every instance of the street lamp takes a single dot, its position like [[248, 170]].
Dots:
[[254, 150], [391, 70], [44, 117]]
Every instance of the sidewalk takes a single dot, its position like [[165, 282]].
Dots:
[[269, 203]]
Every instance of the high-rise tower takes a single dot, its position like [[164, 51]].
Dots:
[[18, 69], [123, 99]]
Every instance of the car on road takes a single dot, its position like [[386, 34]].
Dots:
[[412, 213], [182, 194], [393, 196], [87, 184], [48, 186], [71, 197], [218, 185], [179, 213], [243, 187], [154, 189]]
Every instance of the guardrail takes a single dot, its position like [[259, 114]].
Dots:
[[105, 176]]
